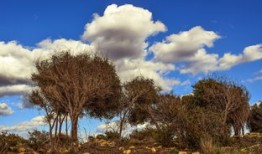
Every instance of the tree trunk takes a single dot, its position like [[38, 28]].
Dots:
[[66, 126], [153, 119], [56, 126], [122, 123], [74, 139], [74, 122], [121, 127], [51, 137], [60, 120]]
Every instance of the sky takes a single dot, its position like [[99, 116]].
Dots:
[[175, 43]]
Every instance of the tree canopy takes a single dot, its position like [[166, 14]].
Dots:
[[78, 84]]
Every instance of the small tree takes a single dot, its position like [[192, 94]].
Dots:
[[137, 97], [51, 111], [79, 84], [141, 95], [255, 118]]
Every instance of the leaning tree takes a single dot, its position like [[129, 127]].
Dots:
[[79, 84], [225, 97], [137, 98]]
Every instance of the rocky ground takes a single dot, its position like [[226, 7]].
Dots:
[[249, 144]]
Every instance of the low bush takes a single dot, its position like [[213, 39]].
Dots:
[[11, 142], [38, 139]]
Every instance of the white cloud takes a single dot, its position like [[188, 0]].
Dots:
[[121, 31], [200, 62], [187, 51], [19, 89], [129, 69], [24, 126], [5, 109], [250, 53], [16, 63], [121, 34], [48, 47], [182, 46]]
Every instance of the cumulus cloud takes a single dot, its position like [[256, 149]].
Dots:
[[121, 34], [250, 53], [5, 109], [16, 63], [19, 89], [183, 46], [121, 31], [129, 69], [200, 62], [49, 47], [188, 51], [25, 126]]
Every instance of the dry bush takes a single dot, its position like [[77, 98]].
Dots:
[[112, 135], [207, 145], [38, 140], [11, 142]]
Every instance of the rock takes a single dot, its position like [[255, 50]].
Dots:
[[153, 150], [127, 151], [121, 148], [21, 149], [103, 143]]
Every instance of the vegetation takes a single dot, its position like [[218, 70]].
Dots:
[[255, 118], [73, 86]]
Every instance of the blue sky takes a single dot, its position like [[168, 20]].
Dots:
[[174, 42]]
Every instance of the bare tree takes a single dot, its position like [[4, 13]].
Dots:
[[79, 84]]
